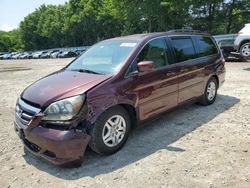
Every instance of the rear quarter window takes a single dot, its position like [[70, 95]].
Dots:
[[206, 46]]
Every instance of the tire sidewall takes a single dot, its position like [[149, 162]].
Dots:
[[97, 143]]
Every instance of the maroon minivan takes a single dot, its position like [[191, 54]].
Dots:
[[99, 96]]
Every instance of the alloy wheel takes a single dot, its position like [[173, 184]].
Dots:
[[245, 50], [114, 131], [211, 91]]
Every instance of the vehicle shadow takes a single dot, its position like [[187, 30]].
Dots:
[[247, 69], [147, 139]]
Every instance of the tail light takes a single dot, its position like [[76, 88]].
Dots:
[[223, 61]]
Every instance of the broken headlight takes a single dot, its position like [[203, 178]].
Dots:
[[64, 109]]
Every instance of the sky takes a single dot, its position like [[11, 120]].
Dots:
[[12, 12]]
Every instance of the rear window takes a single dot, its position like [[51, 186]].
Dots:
[[184, 48], [206, 46]]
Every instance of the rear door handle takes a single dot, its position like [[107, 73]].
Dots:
[[183, 70], [170, 74]]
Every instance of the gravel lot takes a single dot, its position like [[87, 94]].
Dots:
[[193, 146]]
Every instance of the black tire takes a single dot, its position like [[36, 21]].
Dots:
[[242, 50], [96, 143], [205, 100]]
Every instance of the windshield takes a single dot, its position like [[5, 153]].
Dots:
[[105, 57]]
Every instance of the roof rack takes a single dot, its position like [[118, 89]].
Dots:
[[185, 31]]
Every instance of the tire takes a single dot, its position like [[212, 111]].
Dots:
[[245, 50], [209, 97], [106, 125]]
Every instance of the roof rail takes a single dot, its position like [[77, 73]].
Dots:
[[185, 31]]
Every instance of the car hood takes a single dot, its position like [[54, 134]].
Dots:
[[60, 85]]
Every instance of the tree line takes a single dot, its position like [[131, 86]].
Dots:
[[84, 22]]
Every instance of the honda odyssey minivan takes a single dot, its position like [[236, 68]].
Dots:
[[96, 99]]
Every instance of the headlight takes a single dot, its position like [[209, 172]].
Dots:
[[64, 109]]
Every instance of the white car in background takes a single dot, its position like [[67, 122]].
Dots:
[[242, 42]]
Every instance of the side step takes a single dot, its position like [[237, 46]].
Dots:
[[238, 55]]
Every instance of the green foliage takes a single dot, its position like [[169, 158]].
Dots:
[[10, 41], [43, 28], [84, 22]]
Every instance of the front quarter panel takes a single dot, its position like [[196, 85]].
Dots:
[[107, 95]]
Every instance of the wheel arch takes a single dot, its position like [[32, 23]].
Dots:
[[132, 113], [217, 79], [208, 78], [243, 42]]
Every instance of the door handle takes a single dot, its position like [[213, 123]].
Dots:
[[170, 74], [183, 70]]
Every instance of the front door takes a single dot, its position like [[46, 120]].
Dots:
[[157, 91]]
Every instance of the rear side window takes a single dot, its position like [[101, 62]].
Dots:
[[206, 46], [184, 48]]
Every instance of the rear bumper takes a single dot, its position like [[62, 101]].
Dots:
[[56, 146]]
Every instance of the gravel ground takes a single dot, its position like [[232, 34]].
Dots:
[[193, 146]]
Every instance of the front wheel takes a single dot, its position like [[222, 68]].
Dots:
[[210, 92], [110, 131], [245, 50]]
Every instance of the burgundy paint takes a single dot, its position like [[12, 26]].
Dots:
[[59, 85], [147, 93]]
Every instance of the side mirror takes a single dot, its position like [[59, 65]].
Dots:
[[146, 66]]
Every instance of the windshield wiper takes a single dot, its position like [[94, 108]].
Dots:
[[85, 70]]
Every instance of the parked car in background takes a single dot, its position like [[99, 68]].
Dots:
[[67, 54], [1, 55], [99, 96], [7, 56], [55, 54], [53, 51], [48, 54], [236, 45], [25, 55], [44, 55], [226, 44], [79, 52], [38, 55], [16, 56], [242, 42]]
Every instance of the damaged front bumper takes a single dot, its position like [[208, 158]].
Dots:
[[60, 147]]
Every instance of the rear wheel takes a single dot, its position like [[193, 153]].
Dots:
[[210, 92], [245, 50], [110, 131]]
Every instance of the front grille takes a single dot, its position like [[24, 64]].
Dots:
[[25, 112]]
